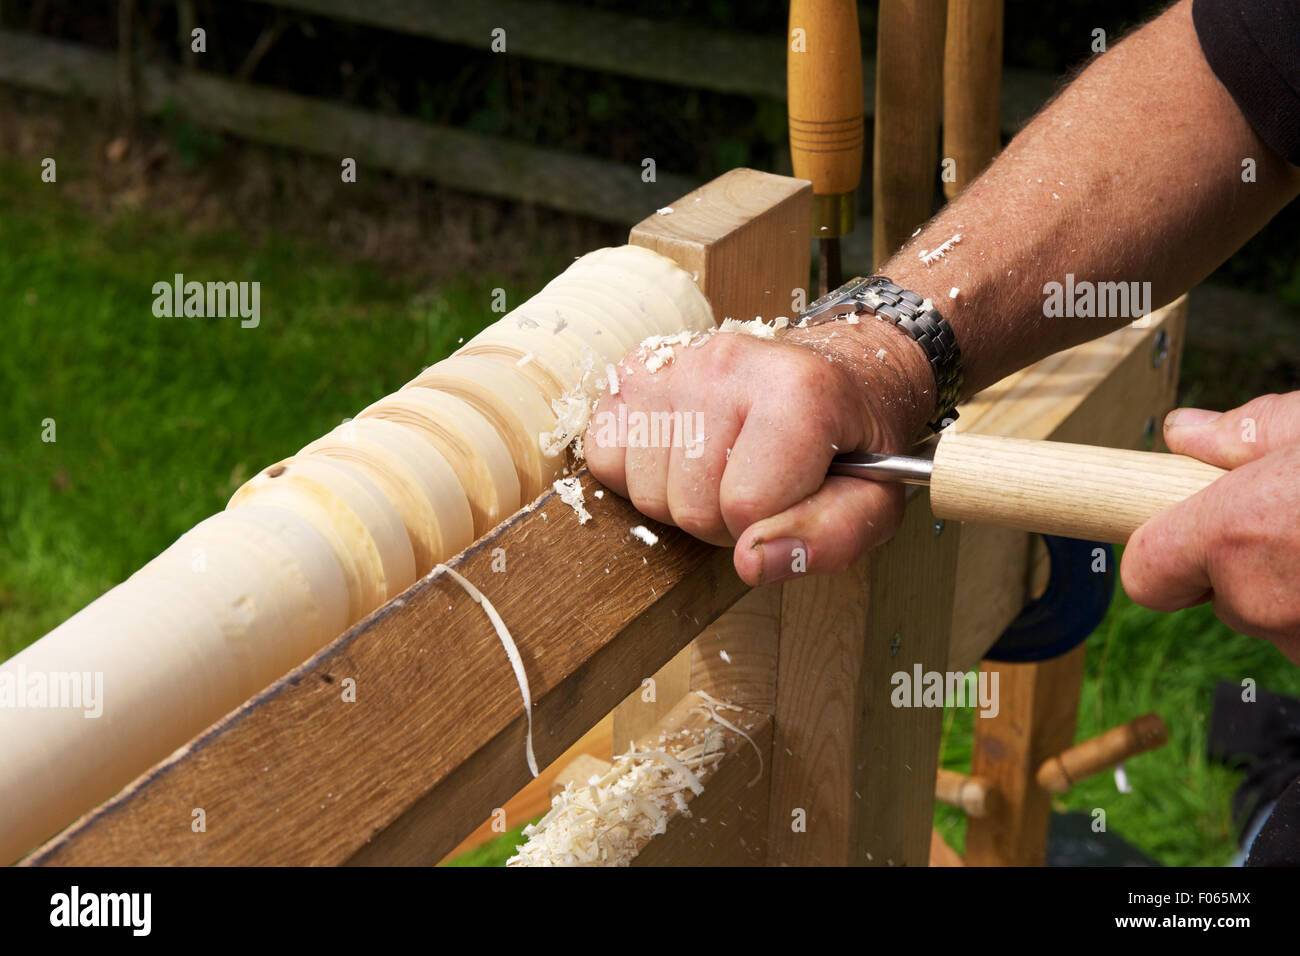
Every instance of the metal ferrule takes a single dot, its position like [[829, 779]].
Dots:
[[833, 215]]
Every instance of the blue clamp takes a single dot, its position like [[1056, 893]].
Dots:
[[1062, 617]]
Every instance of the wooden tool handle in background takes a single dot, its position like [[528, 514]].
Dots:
[[825, 101], [1059, 773], [1076, 491], [909, 105]]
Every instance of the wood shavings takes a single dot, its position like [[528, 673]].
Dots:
[[930, 256], [608, 820], [572, 412], [661, 349], [570, 492], [512, 652], [711, 706], [692, 781], [645, 536], [755, 327]]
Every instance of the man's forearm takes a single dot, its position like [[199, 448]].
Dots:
[[1133, 174]]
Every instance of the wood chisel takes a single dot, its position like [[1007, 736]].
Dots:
[[1047, 487], [824, 79]]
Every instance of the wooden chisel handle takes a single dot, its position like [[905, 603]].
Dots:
[[824, 75], [1075, 491]]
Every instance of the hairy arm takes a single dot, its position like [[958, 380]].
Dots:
[[1133, 174]]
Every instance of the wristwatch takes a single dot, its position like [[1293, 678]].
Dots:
[[878, 296]]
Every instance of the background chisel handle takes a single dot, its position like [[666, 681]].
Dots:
[[824, 75], [824, 104], [1075, 491]]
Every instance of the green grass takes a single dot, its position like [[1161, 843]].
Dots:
[[494, 852], [158, 420], [1139, 661]]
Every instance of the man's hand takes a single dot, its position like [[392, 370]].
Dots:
[[756, 423], [1237, 543]]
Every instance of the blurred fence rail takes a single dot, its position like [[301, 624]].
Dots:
[[664, 51], [671, 52]]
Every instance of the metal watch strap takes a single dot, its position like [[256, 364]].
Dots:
[[880, 296]]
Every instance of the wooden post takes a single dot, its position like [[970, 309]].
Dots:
[[972, 86], [909, 90], [853, 774], [1038, 705]]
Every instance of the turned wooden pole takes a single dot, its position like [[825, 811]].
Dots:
[[909, 91], [972, 85]]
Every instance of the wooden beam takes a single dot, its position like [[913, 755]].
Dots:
[[941, 854], [853, 775], [735, 658], [744, 237], [435, 739]]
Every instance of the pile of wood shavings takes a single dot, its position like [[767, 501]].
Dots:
[[608, 820]]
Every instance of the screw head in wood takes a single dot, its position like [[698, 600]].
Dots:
[[1159, 348]]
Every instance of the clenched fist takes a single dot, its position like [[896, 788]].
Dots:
[[730, 438]]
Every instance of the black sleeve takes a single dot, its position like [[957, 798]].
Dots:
[[1253, 47]]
